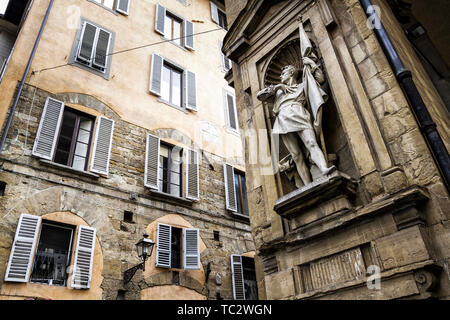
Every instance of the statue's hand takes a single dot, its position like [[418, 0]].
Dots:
[[309, 62], [265, 93]]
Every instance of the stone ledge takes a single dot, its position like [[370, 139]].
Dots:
[[68, 169], [322, 190]]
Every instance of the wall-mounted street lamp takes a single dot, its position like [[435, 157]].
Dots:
[[144, 249]]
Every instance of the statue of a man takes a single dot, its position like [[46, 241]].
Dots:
[[293, 120]]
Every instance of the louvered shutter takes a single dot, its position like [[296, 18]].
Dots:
[[191, 90], [214, 12], [123, 6], [152, 161], [23, 248], [84, 257], [188, 30], [238, 277], [156, 74], [231, 111], [102, 146], [101, 49], [230, 191], [87, 42], [226, 63], [160, 19], [163, 246], [191, 249], [192, 175], [44, 145]]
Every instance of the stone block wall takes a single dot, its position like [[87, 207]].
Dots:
[[37, 188]]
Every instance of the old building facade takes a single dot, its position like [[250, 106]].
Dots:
[[122, 125], [378, 227]]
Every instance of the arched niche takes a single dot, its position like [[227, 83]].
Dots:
[[335, 140]]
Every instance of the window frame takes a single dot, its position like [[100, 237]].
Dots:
[[221, 14], [173, 69], [115, 8], [160, 167], [70, 251], [230, 129], [174, 18], [240, 205], [79, 115], [73, 59]]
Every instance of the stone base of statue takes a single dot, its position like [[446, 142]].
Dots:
[[325, 196]]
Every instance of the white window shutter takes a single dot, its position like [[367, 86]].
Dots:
[[191, 249], [238, 277], [101, 49], [160, 19], [102, 146], [86, 46], [230, 106], [23, 248], [47, 134], [214, 12], [226, 63], [84, 257], [163, 246], [188, 32], [191, 90], [152, 162], [156, 74], [230, 191], [123, 6], [192, 175]]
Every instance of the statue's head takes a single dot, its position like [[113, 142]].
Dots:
[[288, 72]]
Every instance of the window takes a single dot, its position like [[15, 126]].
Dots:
[[241, 193], [170, 170], [53, 254], [92, 48], [244, 278], [164, 167], [235, 191], [42, 253], [128, 216], [2, 188], [218, 15], [121, 6], [173, 84], [65, 137], [72, 148], [231, 112], [173, 27], [226, 63], [177, 248]]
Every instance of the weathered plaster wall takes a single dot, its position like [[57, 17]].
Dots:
[[127, 90]]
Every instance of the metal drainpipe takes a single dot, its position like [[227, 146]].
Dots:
[[423, 117], [22, 82]]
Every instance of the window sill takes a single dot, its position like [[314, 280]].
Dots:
[[240, 215], [234, 132], [165, 196], [104, 7], [69, 169], [173, 105], [175, 44]]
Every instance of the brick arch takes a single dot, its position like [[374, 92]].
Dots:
[[89, 101]]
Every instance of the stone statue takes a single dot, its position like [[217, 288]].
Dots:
[[298, 111]]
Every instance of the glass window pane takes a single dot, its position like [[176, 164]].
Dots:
[[244, 195], [81, 149], [85, 124], [176, 88], [109, 3], [165, 84], [175, 190], [83, 136], [177, 32], [238, 194], [168, 27]]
